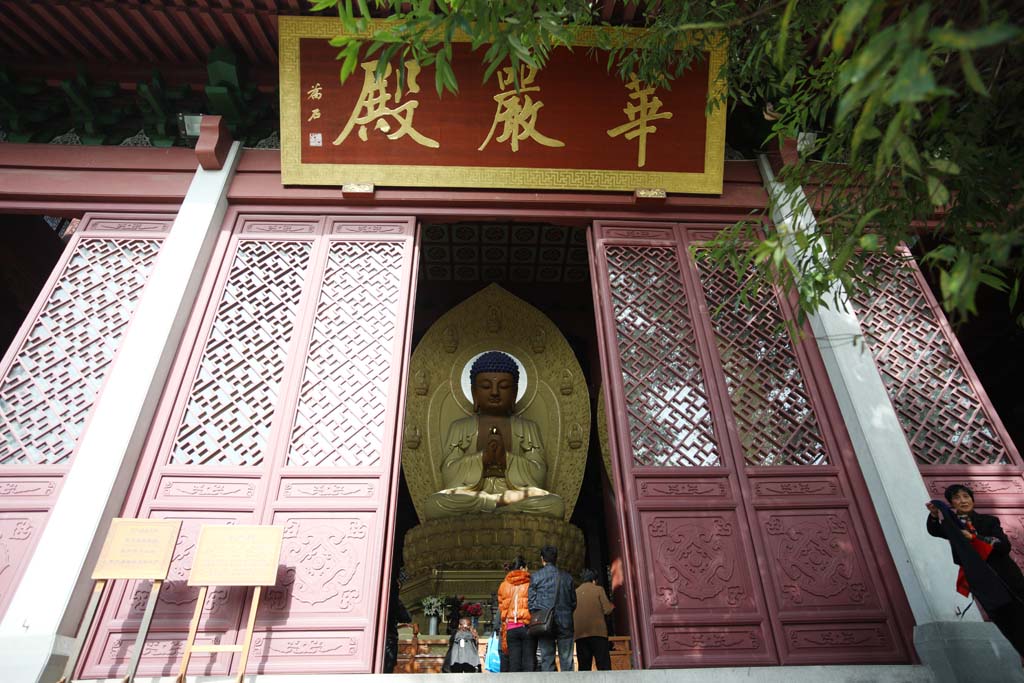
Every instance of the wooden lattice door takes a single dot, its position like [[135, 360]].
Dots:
[[749, 531], [282, 410], [50, 376], [952, 429]]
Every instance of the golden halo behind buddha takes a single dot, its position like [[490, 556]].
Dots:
[[554, 394]]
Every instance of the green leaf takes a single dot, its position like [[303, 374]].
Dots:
[[869, 241], [847, 102], [887, 146], [862, 223], [780, 47], [339, 41], [993, 34], [321, 5], [364, 9], [944, 166], [852, 14], [439, 83], [971, 74], [908, 153], [914, 82], [444, 77], [865, 61], [520, 50], [491, 68], [866, 122], [993, 280], [938, 195], [778, 256]]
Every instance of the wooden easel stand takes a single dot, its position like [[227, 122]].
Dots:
[[190, 643], [90, 615]]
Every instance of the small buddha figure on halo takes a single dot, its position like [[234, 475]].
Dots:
[[493, 460]]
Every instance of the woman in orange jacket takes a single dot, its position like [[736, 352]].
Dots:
[[515, 617]]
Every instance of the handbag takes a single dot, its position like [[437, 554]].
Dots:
[[492, 661], [542, 621]]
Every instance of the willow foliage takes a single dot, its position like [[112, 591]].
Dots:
[[916, 108]]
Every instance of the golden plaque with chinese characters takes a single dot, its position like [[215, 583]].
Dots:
[[137, 549], [237, 555], [568, 126]]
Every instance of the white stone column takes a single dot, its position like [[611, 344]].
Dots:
[[43, 617], [945, 641]]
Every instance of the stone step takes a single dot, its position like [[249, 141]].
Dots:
[[777, 674]]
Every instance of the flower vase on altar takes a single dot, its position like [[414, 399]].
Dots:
[[433, 608]]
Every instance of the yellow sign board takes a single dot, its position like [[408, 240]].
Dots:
[[137, 549], [243, 555]]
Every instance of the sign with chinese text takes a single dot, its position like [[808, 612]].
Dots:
[[137, 549], [237, 555], [569, 126]]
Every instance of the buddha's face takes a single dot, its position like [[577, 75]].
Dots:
[[494, 393]]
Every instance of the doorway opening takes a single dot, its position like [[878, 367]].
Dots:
[[30, 247], [546, 267]]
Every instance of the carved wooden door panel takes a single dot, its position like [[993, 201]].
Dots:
[[749, 542], [282, 411], [54, 368], [952, 428]]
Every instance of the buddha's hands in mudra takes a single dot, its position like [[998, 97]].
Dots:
[[494, 458]]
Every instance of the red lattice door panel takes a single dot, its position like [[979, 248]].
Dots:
[[951, 427], [282, 411], [748, 543], [55, 366]]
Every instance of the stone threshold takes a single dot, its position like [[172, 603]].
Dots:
[[775, 674]]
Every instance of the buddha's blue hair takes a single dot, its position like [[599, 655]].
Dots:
[[494, 361]]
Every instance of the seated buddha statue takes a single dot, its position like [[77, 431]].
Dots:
[[493, 461]]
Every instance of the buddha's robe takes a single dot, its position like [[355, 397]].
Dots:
[[466, 490]]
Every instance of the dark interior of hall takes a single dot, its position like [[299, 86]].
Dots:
[[30, 247]]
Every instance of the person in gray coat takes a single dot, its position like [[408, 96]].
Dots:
[[550, 587]]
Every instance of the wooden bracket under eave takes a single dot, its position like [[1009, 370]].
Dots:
[[214, 142], [649, 196]]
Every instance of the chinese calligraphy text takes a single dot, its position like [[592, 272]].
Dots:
[[570, 125]]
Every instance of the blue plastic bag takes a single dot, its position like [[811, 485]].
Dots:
[[492, 661]]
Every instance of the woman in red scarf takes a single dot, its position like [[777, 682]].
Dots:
[[982, 550], [515, 617]]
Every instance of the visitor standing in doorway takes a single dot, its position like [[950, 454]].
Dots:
[[463, 654], [397, 614], [551, 588], [513, 596], [591, 631]]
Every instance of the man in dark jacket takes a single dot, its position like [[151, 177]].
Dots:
[[550, 587], [397, 614], [996, 582]]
